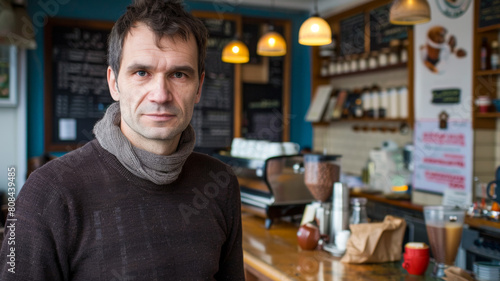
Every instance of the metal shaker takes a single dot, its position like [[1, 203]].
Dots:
[[340, 209]]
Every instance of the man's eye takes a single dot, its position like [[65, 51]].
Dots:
[[141, 73], [178, 75]]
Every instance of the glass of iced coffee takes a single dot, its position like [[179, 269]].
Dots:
[[444, 228]]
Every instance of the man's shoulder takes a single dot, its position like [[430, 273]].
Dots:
[[74, 162], [197, 158]]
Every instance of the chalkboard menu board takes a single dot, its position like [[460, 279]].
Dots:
[[263, 104], [352, 35], [76, 89], [489, 13], [382, 31], [213, 115], [251, 36]]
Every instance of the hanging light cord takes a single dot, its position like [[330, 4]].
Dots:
[[271, 24], [316, 13]]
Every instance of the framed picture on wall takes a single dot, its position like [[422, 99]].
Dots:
[[8, 78]]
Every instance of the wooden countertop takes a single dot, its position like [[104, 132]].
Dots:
[[275, 254]]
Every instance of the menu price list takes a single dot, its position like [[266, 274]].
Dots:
[[489, 13], [79, 87], [381, 29], [352, 35], [213, 115]]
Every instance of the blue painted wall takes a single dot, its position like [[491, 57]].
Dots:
[[300, 131]]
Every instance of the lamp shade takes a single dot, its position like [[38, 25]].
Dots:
[[408, 12], [235, 52], [271, 44], [315, 31], [15, 25]]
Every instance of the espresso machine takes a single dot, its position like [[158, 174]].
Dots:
[[273, 187]]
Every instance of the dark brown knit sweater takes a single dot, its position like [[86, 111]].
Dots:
[[85, 217]]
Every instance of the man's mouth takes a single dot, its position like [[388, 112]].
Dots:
[[159, 117]]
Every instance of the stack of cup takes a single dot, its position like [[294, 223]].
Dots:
[[340, 209]]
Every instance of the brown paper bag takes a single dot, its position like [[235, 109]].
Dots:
[[454, 273], [375, 242]]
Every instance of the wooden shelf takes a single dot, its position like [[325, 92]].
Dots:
[[488, 115], [488, 72], [374, 120], [373, 70], [364, 120], [489, 28], [481, 222]]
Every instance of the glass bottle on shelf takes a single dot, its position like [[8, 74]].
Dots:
[[367, 105], [354, 63], [362, 62], [384, 104], [394, 51], [372, 61], [375, 101], [393, 108], [383, 57], [324, 68], [332, 66], [340, 62], [358, 107], [403, 102], [404, 52], [485, 55], [346, 66], [494, 58]]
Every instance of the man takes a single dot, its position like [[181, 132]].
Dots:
[[136, 203]]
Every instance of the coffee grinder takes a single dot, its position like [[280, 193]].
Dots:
[[320, 174]]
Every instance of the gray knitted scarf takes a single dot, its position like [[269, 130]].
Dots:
[[159, 169]]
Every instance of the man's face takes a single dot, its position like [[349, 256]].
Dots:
[[157, 88]]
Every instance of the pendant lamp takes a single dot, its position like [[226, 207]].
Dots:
[[271, 44], [235, 52], [315, 31], [15, 25], [408, 12]]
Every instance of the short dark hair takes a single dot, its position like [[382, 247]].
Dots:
[[164, 18]]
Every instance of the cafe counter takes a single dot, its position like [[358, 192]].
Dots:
[[274, 254]]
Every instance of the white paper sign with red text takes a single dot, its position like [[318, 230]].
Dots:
[[443, 157]]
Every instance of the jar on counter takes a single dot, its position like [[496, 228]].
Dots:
[[372, 60], [358, 214]]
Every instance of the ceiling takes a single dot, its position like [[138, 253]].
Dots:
[[325, 7]]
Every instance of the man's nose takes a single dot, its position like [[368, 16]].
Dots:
[[161, 91]]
